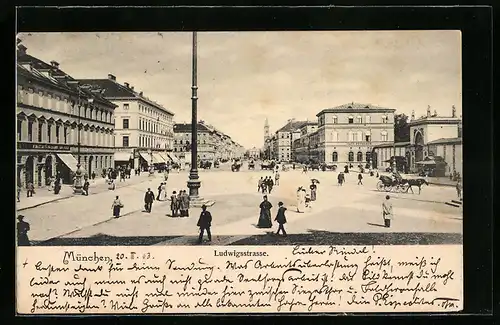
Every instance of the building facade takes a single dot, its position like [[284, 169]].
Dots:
[[212, 143], [282, 141], [304, 149], [431, 136], [59, 124], [143, 128], [347, 133], [254, 153]]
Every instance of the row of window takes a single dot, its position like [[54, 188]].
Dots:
[[150, 126], [149, 142], [56, 133], [350, 156], [351, 119], [152, 112], [63, 105]]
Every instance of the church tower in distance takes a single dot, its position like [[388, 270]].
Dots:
[[266, 130]]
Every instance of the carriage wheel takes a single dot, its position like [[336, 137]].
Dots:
[[380, 186], [403, 188], [388, 188]]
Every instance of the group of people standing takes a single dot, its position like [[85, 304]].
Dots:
[[265, 185]]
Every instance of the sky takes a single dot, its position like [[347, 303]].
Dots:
[[246, 77]]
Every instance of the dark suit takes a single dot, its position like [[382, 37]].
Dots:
[[204, 223], [148, 200], [281, 220]]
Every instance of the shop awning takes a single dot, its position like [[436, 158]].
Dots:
[[122, 156], [164, 156], [69, 160], [145, 156], [173, 158], [157, 158]]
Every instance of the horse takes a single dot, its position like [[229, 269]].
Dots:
[[415, 182]]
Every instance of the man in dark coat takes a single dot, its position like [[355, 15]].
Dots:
[[360, 179], [174, 204], [270, 185], [281, 218], [149, 197], [205, 222], [22, 232]]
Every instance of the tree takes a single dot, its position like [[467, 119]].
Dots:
[[401, 128]]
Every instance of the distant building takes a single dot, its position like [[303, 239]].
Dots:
[[143, 128], [347, 133], [254, 153], [283, 139], [308, 140], [432, 137], [55, 116], [212, 143]]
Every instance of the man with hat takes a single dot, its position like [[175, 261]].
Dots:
[[204, 223], [22, 232]]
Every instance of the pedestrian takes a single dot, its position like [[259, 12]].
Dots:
[[281, 218], [19, 189], [387, 212], [277, 179], [264, 185], [165, 175], [93, 176], [117, 206], [340, 179], [265, 214], [184, 204], [205, 222], [259, 185], [22, 232], [360, 179], [174, 204], [459, 189], [57, 186], [159, 191], [163, 188], [270, 184], [111, 184], [86, 186], [149, 197], [301, 200], [30, 189], [313, 187]]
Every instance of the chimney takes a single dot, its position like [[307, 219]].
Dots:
[[55, 64], [132, 87], [111, 77], [126, 84], [412, 115], [453, 111], [22, 49], [428, 110], [141, 93]]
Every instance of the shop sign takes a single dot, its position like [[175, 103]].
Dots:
[[43, 146]]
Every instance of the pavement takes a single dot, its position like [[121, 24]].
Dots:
[[350, 208]]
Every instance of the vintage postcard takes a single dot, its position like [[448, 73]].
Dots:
[[239, 172]]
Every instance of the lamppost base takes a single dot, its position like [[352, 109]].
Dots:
[[195, 200]]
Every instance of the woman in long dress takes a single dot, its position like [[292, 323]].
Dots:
[[301, 200], [117, 206], [313, 188], [265, 214]]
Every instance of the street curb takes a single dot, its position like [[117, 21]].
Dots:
[[46, 202], [441, 184]]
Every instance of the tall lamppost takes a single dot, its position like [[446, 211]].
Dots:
[[194, 183], [78, 185]]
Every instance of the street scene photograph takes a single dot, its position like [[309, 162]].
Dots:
[[239, 138]]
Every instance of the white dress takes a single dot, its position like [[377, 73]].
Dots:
[[301, 201]]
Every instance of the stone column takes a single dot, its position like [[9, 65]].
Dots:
[[53, 133], [35, 130], [44, 132]]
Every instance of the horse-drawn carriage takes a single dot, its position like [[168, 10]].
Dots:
[[251, 164], [267, 165], [389, 184], [205, 164], [235, 167]]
